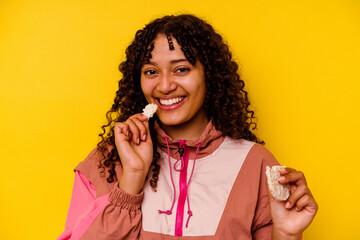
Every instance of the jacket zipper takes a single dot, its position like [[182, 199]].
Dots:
[[184, 154]]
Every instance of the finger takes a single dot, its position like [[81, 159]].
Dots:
[[140, 116], [121, 128], [148, 136], [286, 170], [299, 192], [140, 125], [289, 169], [306, 200], [292, 189], [295, 177], [135, 131]]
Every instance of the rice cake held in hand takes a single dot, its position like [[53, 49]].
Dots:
[[279, 191], [149, 110]]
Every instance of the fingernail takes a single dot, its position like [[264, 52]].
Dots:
[[143, 137], [287, 205], [297, 209], [137, 141], [282, 178]]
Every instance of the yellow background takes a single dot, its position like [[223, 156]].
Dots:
[[58, 77]]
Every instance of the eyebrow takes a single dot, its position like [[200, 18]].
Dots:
[[171, 62]]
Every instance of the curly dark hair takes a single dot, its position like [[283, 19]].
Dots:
[[226, 101]]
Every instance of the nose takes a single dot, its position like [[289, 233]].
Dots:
[[166, 84]]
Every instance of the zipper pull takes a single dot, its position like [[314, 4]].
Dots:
[[181, 151]]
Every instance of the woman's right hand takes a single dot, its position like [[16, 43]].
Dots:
[[135, 148]]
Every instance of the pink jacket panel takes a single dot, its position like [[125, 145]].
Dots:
[[93, 218]]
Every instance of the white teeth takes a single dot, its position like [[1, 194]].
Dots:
[[169, 102]]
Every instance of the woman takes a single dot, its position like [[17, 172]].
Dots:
[[194, 170]]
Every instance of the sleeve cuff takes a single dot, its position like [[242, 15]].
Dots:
[[125, 200]]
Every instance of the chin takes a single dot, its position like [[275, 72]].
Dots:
[[171, 121]]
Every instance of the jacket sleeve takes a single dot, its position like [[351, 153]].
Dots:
[[115, 215], [262, 223]]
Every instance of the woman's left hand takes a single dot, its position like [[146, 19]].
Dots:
[[290, 218]]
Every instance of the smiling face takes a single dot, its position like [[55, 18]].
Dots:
[[177, 87]]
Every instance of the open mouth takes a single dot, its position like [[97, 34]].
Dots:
[[170, 102]]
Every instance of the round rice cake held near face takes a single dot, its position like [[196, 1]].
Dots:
[[279, 191], [149, 110]]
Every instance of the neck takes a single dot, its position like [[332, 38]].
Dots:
[[190, 130]]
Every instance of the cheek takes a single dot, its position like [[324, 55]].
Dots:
[[145, 88], [202, 90]]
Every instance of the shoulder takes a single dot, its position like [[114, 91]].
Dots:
[[255, 152], [260, 153], [90, 168], [254, 157], [91, 162], [237, 144]]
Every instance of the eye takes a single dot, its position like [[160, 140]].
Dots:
[[182, 70], [150, 72]]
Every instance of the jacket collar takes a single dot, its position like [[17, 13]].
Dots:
[[210, 140]]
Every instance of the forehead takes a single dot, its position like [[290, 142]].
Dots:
[[165, 48]]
